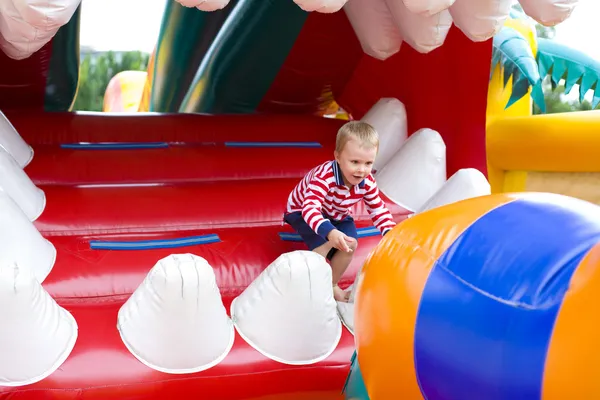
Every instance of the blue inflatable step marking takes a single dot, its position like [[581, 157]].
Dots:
[[114, 146], [154, 244]]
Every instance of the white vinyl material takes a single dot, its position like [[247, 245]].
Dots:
[[374, 26], [322, 6], [205, 5], [416, 171], [27, 25], [424, 33], [464, 184], [549, 12], [480, 20], [288, 312], [175, 321], [13, 143], [21, 243], [388, 117], [15, 182], [37, 335]]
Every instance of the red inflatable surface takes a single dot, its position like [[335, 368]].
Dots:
[[196, 182]]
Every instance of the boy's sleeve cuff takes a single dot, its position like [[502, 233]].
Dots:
[[325, 228]]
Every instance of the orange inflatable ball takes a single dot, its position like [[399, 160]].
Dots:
[[492, 298]]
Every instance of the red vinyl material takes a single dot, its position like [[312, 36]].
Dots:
[[238, 194]]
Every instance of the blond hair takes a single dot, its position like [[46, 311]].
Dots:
[[361, 131]]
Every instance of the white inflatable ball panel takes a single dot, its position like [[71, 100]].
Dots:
[[416, 171], [480, 20], [388, 117], [288, 312], [13, 143], [15, 182], [175, 321], [422, 32], [375, 28], [549, 12], [21, 243], [37, 335]]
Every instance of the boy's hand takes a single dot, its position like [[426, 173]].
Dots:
[[340, 241]]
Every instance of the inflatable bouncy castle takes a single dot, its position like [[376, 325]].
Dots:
[[143, 253]]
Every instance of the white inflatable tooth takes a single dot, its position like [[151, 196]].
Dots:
[[13, 143], [322, 6], [480, 20], [388, 117], [416, 171], [37, 335], [15, 182], [205, 5], [464, 184], [375, 27], [21, 242], [549, 12], [288, 313], [175, 321]]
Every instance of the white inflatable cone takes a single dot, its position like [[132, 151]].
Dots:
[[416, 171], [388, 117], [13, 143], [464, 184], [21, 242], [427, 7], [480, 20], [37, 335], [288, 313], [175, 321], [15, 182]]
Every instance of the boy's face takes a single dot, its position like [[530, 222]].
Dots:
[[356, 161]]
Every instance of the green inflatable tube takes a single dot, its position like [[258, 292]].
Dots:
[[185, 36], [245, 57]]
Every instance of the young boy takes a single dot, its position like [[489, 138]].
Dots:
[[319, 206]]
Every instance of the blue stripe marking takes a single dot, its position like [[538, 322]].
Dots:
[[274, 144], [490, 303], [114, 146], [154, 244], [362, 233]]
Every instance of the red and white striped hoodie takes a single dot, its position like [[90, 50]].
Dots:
[[322, 192]]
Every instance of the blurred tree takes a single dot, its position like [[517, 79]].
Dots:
[[96, 71]]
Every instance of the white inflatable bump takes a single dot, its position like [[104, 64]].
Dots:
[[427, 7], [205, 5], [416, 171], [322, 6], [375, 27], [13, 143], [15, 182], [549, 12], [288, 313], [175, 321], [27, 25], [37, 335], [480, 20], [422, 32], [464, 184], [21, 242], [388, 117]]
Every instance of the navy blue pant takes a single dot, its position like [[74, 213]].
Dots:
[[314, 240]]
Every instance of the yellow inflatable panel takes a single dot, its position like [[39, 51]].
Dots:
[[555, 153]]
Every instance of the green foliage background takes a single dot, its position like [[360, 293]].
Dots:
[[96, 71]]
